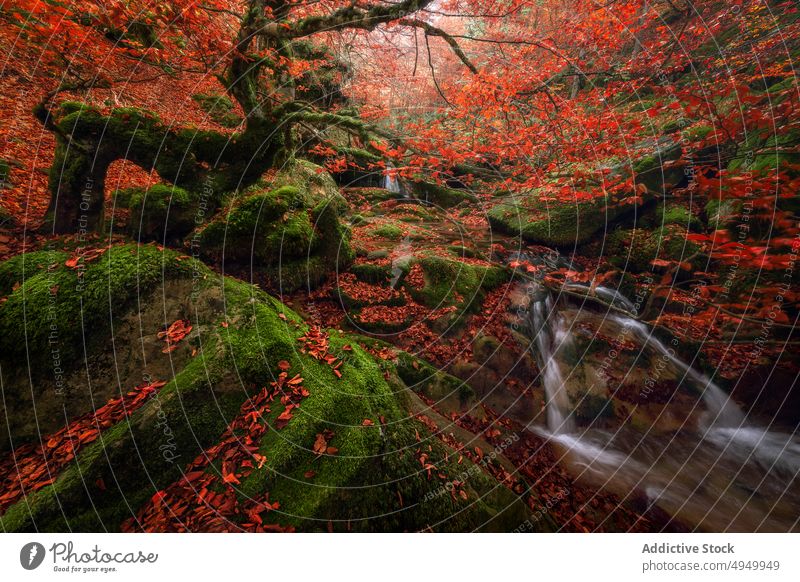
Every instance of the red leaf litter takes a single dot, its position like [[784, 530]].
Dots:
[[317, 345], [84, 256], [30, 467], [174, 334], [205, 498]]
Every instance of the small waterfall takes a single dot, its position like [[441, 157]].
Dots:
[[721, 412], [615, 298], [695, 475], [390, 182], [551, 335]]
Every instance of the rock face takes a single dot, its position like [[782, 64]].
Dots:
[[242, 339]]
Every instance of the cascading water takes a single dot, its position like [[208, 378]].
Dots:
[[697, 473], [391, 183], [721, 412], [550, 335]]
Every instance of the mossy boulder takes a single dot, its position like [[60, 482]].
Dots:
[[450, 282], [162, 212], [554, 223], [374, 482], [50, 306], [447, 391], [388, 231], [219, 109], [290, 227], [635, 249], [440, 195], [658, 171], [768, 151], [673, 214], [372, 273]]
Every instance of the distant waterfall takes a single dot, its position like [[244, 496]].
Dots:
[[391, 183]]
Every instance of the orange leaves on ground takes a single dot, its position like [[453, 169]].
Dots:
[[416, 277], [357, 290], [174, 334], [316, 344], [205, 498], [83, 256], [31, 467], [321, 446]]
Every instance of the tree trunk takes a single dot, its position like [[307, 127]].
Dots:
[[88, 142]]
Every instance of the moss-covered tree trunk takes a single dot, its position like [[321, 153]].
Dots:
[[88, 142]]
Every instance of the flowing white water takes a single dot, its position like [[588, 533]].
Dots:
[[724, 475], [391, 183], [551, 335], [721, 412]]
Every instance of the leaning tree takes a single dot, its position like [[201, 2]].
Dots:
[[259, 51]]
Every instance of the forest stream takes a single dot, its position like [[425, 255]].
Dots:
[[680, 442]]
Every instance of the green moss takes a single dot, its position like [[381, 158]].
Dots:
[[312, 181], [357, 220], [653, 171], [375, 482], [289, 229], [557, 224], [440, 195], [370, 273], [19, 268], [721, 212], [162, 212], [424, 379], [451, 282], [388, 231], [53, 307], [219, 108], [698, 132], [462, 251], [672, 126], [636, 249], [675, 214], [767, 151]]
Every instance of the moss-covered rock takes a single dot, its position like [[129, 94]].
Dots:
[[375, 481], [372, 273], [450, 282], [219, 108], [552, 223], [768, 151], [388, 231], [635, 249], [53, 305], [291, 227], [440, 195], [162, 213], [657, 170], [675, 214]]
